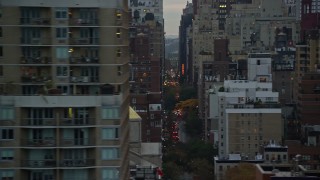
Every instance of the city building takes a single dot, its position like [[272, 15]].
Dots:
[[64, 104], [213, 75], [309, 15], [283, 172], [221, 166], [308, 104], [147, 66], [270, 156], [308, 149], [246, 109], [140, 8], [283, 66], [185, 66]]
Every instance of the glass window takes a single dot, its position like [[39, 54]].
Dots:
[[62, 32], [118, 33], [284, 157], [6, 113], [110, 174], [110, 133], [110, 153], [7, 134], [62, 52], [0, 31], [62, 71], [1, 70], [110, 113], [6, 174], [61, 13], [6, 154], [1, 51]]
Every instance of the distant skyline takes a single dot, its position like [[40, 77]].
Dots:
[[172, 11]]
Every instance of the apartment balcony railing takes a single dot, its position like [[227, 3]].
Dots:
[[38, 122], [36, 60], [45, 163], [83, 22], [47, 142], [84, 41], [77, 121], [84, 60], [35, 41], [35, 79], [84, 79], [35, 21], [77, 162], [7, 122], [50, 163], [253, 106], [67, 142]]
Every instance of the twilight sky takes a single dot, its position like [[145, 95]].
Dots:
[[172, 10]]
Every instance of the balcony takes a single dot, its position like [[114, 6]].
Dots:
[[67, 142], [83, 22], [45, 163], [253, 106], [77, 162], [84, 60], [38, 122], [36, 60], [84, 79], [35, 41], [35, 21], [7, 122], [77, 122], [47, 142], [84, 41], [35, 79]]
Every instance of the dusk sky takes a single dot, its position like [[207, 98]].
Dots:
[[172, 10]]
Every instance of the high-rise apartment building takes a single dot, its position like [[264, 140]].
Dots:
[[185, 66], [147, 63], [64, 85], [309, 13], [246, 110]]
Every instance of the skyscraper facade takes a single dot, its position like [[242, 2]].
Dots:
[[64, 86], [147, 63]]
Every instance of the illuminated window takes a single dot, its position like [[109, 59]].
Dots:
[[118, 33], [118, 14]]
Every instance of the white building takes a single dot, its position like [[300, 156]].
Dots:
[[246, 110]]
